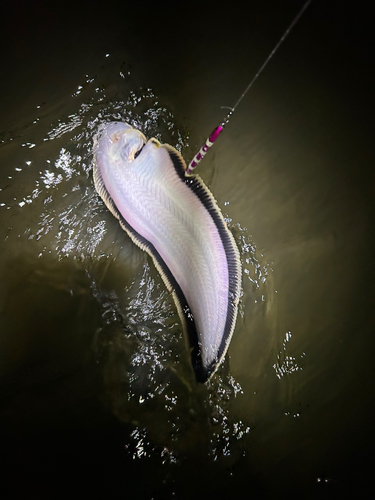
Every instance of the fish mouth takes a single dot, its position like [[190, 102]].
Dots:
[[137, 153]]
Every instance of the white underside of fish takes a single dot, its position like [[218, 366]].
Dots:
[[174, 217]]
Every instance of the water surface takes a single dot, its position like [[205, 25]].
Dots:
[[97, 393]]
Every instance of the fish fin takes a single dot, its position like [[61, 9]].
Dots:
[[177, 160], [103, 192], [196, 184]]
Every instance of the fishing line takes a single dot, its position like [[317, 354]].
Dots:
[[216, 132]]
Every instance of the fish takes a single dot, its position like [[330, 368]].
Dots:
[[174, 217]]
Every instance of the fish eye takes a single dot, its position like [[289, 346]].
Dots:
[[115, 137]]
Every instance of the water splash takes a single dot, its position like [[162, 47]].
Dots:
[[256, 270], [286, 364], [227, 432]]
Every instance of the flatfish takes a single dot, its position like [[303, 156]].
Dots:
[[174, 217]]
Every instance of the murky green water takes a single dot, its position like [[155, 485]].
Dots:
[[97, 395]]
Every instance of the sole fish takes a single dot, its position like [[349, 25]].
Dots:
[[175, 219]]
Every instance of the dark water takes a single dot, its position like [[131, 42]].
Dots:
[[96, 391]]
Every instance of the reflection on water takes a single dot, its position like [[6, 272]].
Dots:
[[287, 364]]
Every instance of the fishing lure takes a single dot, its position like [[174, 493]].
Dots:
[[217, 131]]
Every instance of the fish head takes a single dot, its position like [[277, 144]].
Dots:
[[120, 142], [127, 144]]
